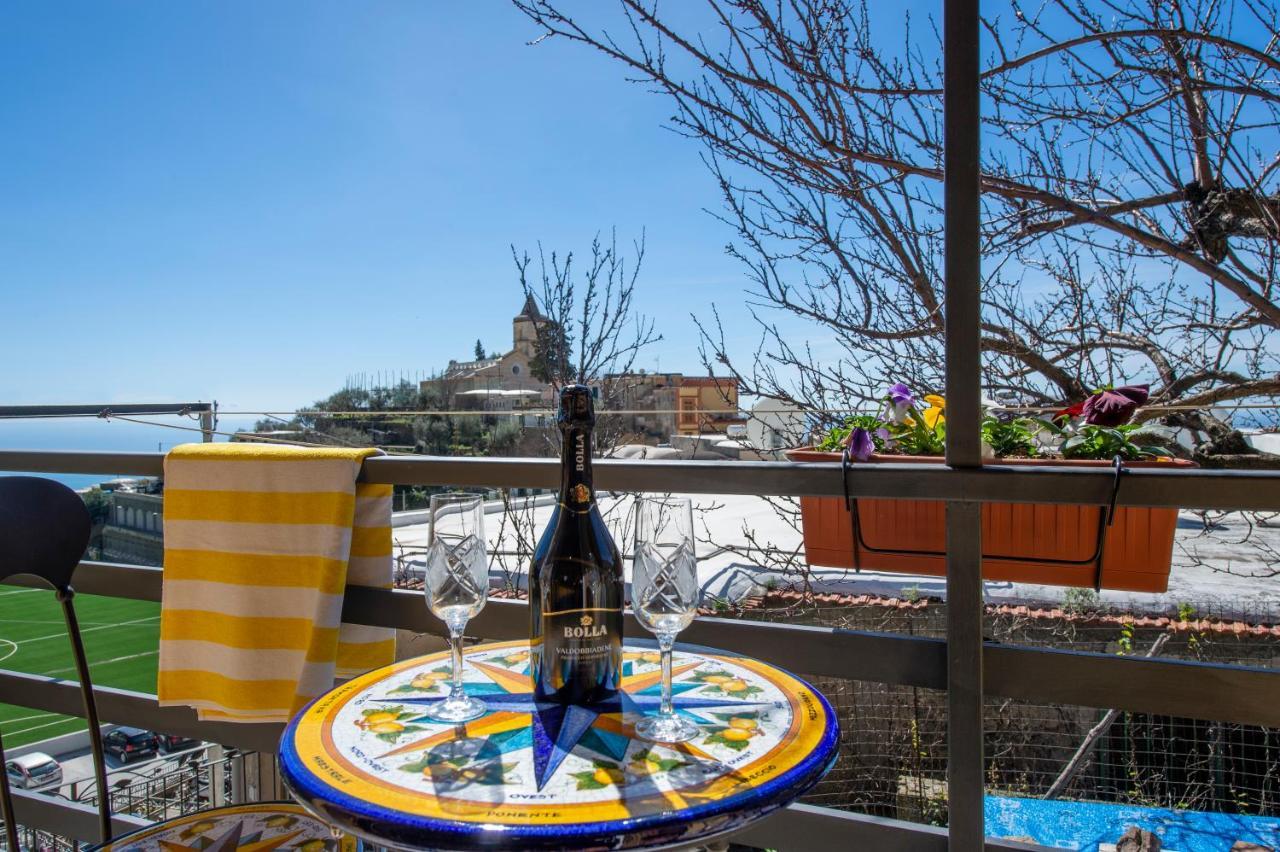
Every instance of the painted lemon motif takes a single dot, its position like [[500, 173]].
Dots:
[[312, 846], [377, 719], [426, 680], [734, 685], [386, 728], [607, 776], [718, 679], [279, 821], [743, 723], [651, 657], [644, 764], [735, 735]]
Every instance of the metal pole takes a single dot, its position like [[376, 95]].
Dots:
[[209, 422], [961, 161]]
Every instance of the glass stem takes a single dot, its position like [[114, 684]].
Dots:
[[665, 643], [455, 648]]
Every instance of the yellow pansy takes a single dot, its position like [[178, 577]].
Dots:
[[934, 413]]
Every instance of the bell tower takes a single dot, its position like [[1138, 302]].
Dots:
[[524, 329]]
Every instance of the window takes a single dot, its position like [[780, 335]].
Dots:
[[515, 369]]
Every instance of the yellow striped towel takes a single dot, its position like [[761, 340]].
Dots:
[[260, 542]]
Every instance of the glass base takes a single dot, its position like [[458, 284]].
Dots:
[[456, 709], [666, 729]]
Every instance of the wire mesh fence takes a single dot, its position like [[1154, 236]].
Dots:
[[893, 750]]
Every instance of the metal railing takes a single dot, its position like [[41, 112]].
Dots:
[[964, 665], [1191, 689]]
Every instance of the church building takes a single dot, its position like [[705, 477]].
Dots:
[[502, 382]]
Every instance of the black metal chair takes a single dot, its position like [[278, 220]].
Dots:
[[44, 530]]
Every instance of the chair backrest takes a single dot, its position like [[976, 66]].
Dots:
[[44, 530]]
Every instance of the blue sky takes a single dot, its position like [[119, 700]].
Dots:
[[248, 201]]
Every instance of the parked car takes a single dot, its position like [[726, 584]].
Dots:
[[175, 742], [33, 770], [128, 743]]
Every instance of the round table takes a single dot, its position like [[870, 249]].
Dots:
[[262, 827], [541, 776]]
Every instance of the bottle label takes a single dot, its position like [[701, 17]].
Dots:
[[580, 635]]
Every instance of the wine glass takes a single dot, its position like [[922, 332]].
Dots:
[[664, 595], [456, 586]]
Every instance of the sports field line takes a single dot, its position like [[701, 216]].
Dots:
[[97, 663], [63, 634], [36, 727], [28, 718], [55, 621], [23, 592]]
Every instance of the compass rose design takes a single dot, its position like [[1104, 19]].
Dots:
[[262, 827], [517, 720]]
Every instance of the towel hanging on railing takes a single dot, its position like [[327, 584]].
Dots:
[[260, 542]]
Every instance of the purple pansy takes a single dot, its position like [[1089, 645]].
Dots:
[[900, 399], [1114, 407], [900, 394], [859, 444]]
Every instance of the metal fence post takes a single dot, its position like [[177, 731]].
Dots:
[[963, 270], [209, 422]]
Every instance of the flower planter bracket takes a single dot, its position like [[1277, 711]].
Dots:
[[1106, 517]]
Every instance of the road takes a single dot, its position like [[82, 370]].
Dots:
[[77, 769]]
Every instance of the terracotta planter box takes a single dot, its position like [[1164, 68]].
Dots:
[[1021, 542]]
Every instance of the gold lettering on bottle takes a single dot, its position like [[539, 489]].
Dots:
[[586, 629]]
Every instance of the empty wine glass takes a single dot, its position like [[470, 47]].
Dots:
[[456, 585], [664, 595]]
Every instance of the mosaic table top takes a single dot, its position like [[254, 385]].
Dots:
[[262, 827], [531, 776]]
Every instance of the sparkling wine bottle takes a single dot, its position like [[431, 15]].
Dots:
[[575, 579]]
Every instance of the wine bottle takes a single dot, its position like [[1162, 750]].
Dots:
[[575, 578]]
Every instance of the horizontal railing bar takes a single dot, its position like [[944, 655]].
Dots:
[[823, 828], [1206, 489], [68, 819], [1213, 691], [126, 707], [815, 651], [1181, 688], [96, 410], [885, 658]]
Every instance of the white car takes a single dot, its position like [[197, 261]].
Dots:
[[33, 770]]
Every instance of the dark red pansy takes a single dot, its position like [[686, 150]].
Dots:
[[1114, 407]]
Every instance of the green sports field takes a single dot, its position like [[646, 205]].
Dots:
[[120, 636]]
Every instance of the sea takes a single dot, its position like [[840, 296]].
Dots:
[[160, 434]]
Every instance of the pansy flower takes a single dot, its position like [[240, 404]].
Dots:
[[900, 401], [1114, 407], [859, 444], [935, 411]]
